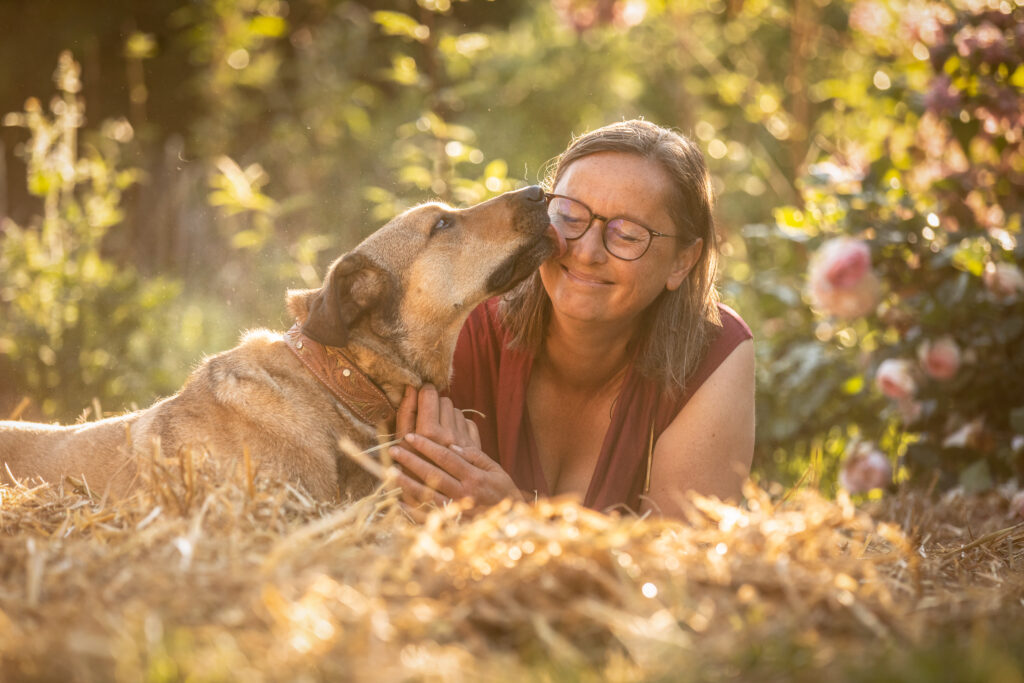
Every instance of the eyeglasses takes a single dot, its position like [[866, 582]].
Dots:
[[624, 239]]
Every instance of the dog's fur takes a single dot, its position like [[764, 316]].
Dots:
[[395, 304]]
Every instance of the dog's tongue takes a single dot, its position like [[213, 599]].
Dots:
[[560, 244]]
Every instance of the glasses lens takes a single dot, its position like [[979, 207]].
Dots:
[[626, 239], [568, 216]]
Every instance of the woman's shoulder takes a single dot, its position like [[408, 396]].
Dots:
[[733, 331]]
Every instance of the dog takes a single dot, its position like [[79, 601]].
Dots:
[[388, 315]]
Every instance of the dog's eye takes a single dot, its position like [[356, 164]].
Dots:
[[443, 223]]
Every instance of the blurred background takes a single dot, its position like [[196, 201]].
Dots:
[[169, 168]]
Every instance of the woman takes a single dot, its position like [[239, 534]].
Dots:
[[612, 373]]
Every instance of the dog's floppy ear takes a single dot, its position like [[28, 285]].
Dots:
[[352, 286]]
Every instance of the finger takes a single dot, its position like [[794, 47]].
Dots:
[[405, 421], [446, 416], [475, 457], [417, 493], [442, 456], [427, 420], [431, 476], [461, 425], [474, 432]]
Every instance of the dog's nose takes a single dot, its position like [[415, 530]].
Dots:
[[534, 193]]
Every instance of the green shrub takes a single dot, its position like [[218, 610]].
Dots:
[[77, 325]]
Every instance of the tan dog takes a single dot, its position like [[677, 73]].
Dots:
[[388, 315]]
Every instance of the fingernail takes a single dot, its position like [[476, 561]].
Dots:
[[411, 437], [395, 450], [456, 447]]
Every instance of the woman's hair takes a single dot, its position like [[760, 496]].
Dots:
[[676, 329]]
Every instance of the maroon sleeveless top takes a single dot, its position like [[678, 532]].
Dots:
[[492, 379]]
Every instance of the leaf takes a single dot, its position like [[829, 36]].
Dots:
[[976, 477], [972, 257], [854, 385], [269, 26], [496, 169], [140, 45], [399, 24], [40, 182], [1017, 79], [248, 239]]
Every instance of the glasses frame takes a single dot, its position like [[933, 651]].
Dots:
[[604, 234]]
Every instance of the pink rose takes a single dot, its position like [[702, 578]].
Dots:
[[939, 358], [1004, 281], [895, 378], [847, 261], [865, 468], [841, 280]]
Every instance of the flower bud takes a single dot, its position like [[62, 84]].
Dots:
[[940, 358], [895, 378], [865, 468]]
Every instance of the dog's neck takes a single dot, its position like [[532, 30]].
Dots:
[[383, 363], [345, 379]]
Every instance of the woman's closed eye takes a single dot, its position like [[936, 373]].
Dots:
[[568, 220], [623, 236]]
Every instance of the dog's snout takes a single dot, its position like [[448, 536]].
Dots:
[[534, 193]]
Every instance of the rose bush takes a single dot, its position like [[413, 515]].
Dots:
[[916, 298]]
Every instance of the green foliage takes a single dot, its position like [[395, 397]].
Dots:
[[76, 324]]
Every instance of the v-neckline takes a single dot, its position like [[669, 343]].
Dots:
[[603, 458]]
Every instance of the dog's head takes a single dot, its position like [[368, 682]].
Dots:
[[412, 283]]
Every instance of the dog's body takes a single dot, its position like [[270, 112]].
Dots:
[[394, 306]]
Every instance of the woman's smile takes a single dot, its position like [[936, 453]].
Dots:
[[584, 278]]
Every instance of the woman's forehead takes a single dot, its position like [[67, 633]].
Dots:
[[624, 184]]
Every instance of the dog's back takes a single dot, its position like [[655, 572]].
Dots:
[[256, 397], [51, 451]]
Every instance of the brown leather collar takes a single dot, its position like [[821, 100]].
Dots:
[[342, 377]]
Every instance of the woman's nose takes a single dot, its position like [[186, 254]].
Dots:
[[589, 247]]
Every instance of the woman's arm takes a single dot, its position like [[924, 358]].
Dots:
[[709, 445]]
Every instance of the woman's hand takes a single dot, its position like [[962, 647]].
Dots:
[[429, 414], [442, 449]]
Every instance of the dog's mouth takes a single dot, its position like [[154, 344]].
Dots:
[[522, 263]]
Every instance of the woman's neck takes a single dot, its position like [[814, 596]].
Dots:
[[585, 356]]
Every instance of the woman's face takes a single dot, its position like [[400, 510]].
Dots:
[[587, 283]]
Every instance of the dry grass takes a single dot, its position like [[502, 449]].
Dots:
[[211, 574]]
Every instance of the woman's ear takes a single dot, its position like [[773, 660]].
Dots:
[[685, 259]]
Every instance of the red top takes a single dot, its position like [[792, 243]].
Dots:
[[491, 378]]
